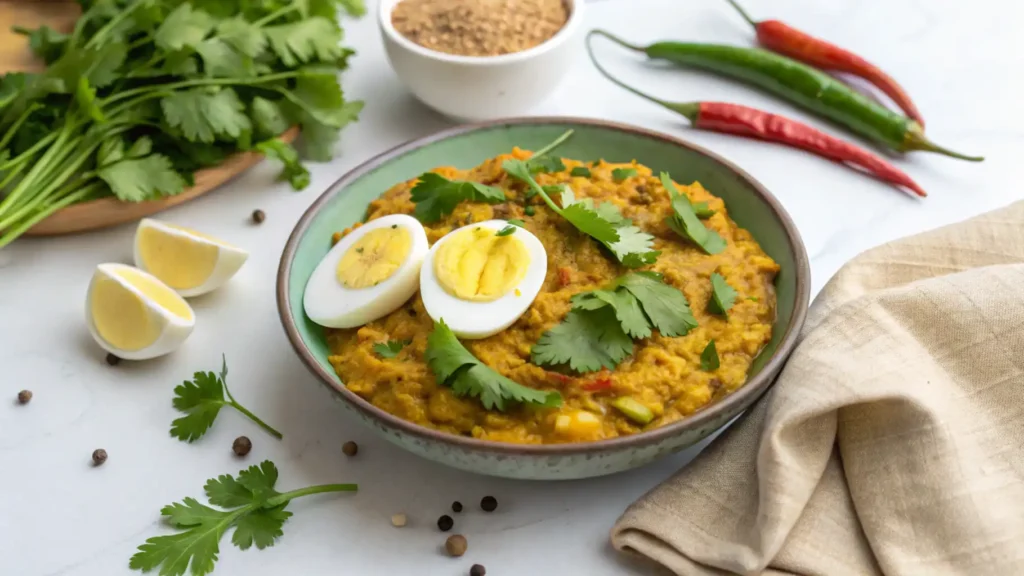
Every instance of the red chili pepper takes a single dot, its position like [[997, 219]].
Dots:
[[598, 385], [560, 378], [780, 37], [753, 123]]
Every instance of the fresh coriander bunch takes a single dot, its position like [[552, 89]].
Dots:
[[144, 92]]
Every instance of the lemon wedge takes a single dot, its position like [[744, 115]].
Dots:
[[190, 262], [134, 315]]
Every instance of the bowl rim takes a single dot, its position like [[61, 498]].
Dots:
[[564, 33], [739, 399]]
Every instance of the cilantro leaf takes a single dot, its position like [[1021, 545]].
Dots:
[[390, 349], [581, 171], [627, 309], [586, 340], [312, 39], [702, 210], [243, 36], [255, 509], [45, 42], [665, 306], [268, 117], [203, 115], [620, 174], [294, 172], [686, 223], [353, 7], [709, 361], [723, 296], [138, 179], [221, 60], [454, 366], [517, 222], [201, 400], [506, 231], [436, 196], [183, 27], [545, 164]]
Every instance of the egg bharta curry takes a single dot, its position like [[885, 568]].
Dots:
[[560, 301]]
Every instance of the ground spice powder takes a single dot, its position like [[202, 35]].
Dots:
[[479, 27]]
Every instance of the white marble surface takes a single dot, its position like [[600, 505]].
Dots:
[[58, 515]]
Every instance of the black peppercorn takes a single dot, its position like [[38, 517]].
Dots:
[[445, 523], [350, 448], [258, 216], [113, 360], [456, 506], [489, 504], [24, 396], [99, 457], [241, 446], [478, 570]]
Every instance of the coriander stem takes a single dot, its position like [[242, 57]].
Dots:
[[202, 82], [17, 124], [270, 430], [285, 497], [124, 13], [13, 233], [275, 15], [558, 142], [35, 148]]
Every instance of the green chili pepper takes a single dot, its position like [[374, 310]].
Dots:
[[801, 84]]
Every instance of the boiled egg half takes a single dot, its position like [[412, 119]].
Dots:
[[368, 274], [190, 262], [134, 315], [480, 283]]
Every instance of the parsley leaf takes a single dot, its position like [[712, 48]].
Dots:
[[436, 196], [138, 179], [686, 223], [506, 231], [203, 115], [201, 400], [709, 358], [582, 171], [254, 507], [586, 341], [390, 349], [454, 366], [620, 174], [294, 172], [598, 331], [723, 296]]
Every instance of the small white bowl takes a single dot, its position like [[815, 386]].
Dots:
[[474, 88]]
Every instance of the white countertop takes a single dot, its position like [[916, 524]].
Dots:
[[59, 515]]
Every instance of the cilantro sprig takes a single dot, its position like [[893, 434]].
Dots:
[[456, 367], [709, 361], [723, 296], [621, 174], [390, 349], [250, 503], [436, 196], [199, 80], [685, 222], [600, 328], [201, 399], [631, 246]]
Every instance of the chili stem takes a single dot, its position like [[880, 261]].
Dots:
[[617, 40], [743, 12]]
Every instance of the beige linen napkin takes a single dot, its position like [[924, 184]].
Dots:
[[893, 441]]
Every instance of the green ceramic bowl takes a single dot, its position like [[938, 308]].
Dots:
[[753, 207]]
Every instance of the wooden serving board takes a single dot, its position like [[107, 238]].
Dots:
[[15, 56]]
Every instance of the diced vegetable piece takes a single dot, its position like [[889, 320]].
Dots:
[[579, 424], [633, 409]]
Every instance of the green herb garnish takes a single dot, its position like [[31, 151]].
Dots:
[[507, 230], [620, 174], [582, 171], [702, 210], [686, 223], [599, 330], [251, 504], [529, 210], [545, 164], [436, 196], [633, 409], [709, 358], [723, 296], [517, 222], [753, 298], [631, 246], [201, 399], [390, 349], [457, 368], [198, 81]]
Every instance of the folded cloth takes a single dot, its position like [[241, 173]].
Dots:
[[892, 442]]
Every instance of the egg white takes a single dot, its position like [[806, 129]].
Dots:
[[329, 303], [229, 258], [475, 320], [173, 329]]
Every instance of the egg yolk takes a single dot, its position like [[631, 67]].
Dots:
[[475, 264], [375, 257], [179, 261], [122, 318]]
